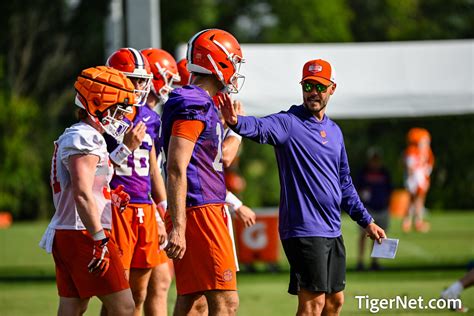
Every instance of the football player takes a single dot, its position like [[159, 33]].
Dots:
[[453, 292], [230, 148], [419, 162], [184, 74], [165, 73], [87, 262], [135, 228], [198, 239]]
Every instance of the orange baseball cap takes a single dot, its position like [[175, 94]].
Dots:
[[319, 70]]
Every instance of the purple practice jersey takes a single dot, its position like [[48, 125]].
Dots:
[[134, 173], [315, 183], [205, 173]]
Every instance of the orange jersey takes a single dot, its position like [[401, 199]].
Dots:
[[419, 164]]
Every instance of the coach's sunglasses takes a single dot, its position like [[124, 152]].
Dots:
[[308, 87]]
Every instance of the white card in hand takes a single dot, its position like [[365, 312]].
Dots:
[[387, 249]]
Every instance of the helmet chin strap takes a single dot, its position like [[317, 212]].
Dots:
[[163, 99], [160, 101], [96, 121], [78, 102], [224, 89], [160, 98]]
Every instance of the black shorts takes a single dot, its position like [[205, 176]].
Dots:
[[317, 264]]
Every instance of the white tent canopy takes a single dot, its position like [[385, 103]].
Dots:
[[389, 79]]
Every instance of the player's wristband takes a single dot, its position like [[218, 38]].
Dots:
[[159, 220], [119, 154], [233, 201], [162, 205], [231, 133], [99, 235]]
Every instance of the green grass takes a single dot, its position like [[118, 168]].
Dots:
[[425, 264], [261, 294], [266, 294], [449, 243]]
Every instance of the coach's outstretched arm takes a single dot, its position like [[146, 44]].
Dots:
[[273, 129]]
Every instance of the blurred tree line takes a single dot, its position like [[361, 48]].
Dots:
[[44, 45]]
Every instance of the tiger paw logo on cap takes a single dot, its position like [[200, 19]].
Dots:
[[315, 68], [318, 70]]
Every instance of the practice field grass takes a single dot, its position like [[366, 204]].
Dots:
[[425, 264], [262, 294]]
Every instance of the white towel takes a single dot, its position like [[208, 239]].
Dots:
[[47, 240]]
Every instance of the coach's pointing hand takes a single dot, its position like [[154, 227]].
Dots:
[[227, 109]]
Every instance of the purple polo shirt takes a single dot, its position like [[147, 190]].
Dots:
[[315, 181]]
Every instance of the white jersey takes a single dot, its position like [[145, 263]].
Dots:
[[80, 138]]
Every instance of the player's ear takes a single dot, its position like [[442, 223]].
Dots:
[[332, 89]]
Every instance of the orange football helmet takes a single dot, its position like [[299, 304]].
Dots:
[[164, 70], [217, 52], [418, 134], [183, 72], [107, 95], [135, 66]]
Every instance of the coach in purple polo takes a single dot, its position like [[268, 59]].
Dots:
[[315, 186]]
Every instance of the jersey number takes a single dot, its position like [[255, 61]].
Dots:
[[140, 155], [217, 163]]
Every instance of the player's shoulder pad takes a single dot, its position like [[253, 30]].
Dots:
[[81, 139], [146, 115], [189, 102]]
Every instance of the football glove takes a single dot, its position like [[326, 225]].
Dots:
[[119, 198], [100, 257]]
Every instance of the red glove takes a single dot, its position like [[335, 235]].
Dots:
[[119, 198], [100, 257]]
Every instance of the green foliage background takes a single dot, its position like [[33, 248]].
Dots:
[[45, 43]]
